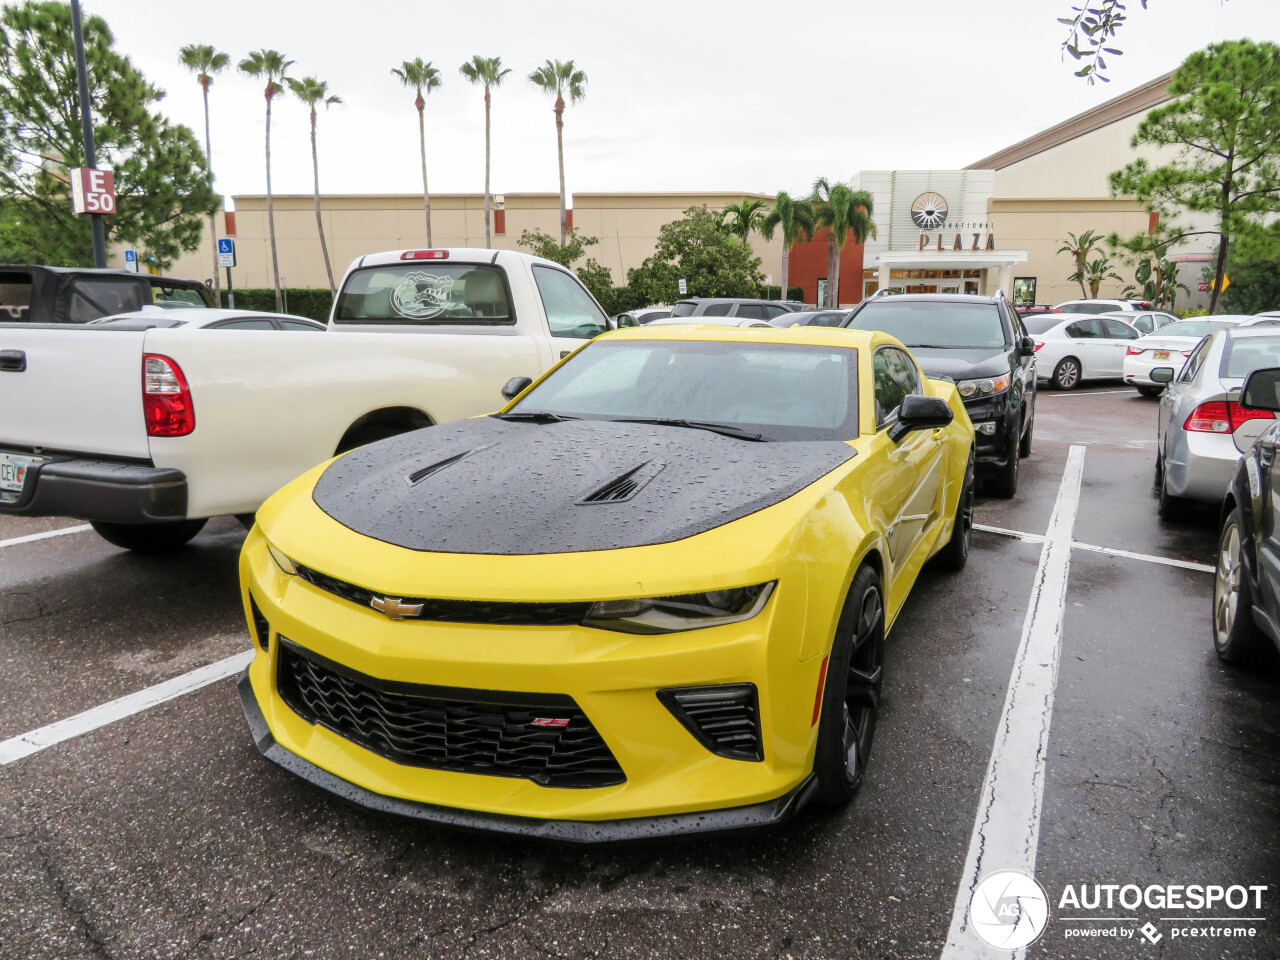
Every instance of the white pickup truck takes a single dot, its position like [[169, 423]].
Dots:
[[148, 432]]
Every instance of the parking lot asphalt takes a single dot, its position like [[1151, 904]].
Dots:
[[165, 834]]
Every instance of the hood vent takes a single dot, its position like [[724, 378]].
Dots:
[[418, 476], [622, 488]]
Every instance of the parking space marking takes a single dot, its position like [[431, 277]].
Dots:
[[1006, 831], [23, 745], [32, 537], [1095, 548], [1085, 393]]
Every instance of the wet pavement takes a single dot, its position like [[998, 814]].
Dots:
[[165, 834]]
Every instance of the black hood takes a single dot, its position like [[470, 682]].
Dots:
[[967, 364], [493, 487]]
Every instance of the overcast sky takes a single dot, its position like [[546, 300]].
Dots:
[[691, 95]]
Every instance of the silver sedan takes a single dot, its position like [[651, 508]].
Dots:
[[1203, 430]]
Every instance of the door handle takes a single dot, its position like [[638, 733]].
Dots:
[[13, 361]]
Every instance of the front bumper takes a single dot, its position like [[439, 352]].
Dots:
[[673, 782], [994, 448], [110, 491]]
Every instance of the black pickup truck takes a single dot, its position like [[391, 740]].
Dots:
[[37, 294]]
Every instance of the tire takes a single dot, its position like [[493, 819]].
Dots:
[[1151, 392], [1169, 507], [956, 553], [851, 696], [1066, 375], [1004, 482], [1236, 637], [1024, 445], [149, 538]]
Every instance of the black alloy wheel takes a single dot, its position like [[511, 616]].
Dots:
[[1066, 375], [956, 553], [1004, 482], [851, 697]]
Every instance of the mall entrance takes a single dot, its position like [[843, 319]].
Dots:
[[929, 281]]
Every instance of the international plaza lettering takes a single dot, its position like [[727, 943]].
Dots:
[[943, 244]]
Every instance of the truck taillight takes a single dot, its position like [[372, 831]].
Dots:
[[166, 399], [425, 255]]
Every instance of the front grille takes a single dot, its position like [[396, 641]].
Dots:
[[724, 717], [545, 738], [459, 611]]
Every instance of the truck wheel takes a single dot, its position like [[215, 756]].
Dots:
[[149, 538]]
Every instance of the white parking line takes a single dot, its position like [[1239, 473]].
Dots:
[[1094, 548], [1006, 831], [23, 745], [1085, 393], [32, 537]]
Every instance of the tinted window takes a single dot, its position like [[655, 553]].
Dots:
[[753, 311], [1041, 323], [15, 296], [785, 392], [894, 377], [1244, 355], [180, 296], [770, 312], [1085, 330], [257, 324], [925, 323], [717, 310], [1163, 319], [1119, 330], [571, 311], [654, 315], [1084, 306], [683, 309], [300, 325], [102, 297], [427, 292], [828, 319]]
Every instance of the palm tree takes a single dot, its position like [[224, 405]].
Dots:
[[205, 61], [488, 72], [741, 218], [271, 65], [795, 217], [315, 93], [844, 212], [559, 77], [424, 78], [1079, 248]]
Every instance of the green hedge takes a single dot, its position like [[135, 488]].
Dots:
[[774, 292], [300, 302]]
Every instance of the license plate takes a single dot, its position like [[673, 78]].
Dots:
[[1162, 355], [13, 470]]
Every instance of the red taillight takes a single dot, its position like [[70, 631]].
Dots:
[[1039, 344], [1219, 416], [1134, 352], [1186, 353], [166, 399], [425, 255]]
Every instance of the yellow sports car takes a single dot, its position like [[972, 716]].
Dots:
[[649, 597]]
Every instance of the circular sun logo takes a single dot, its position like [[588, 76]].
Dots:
[[1009, 909], [929, 211]]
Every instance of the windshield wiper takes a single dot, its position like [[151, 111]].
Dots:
[[726, 429], [534, 416]]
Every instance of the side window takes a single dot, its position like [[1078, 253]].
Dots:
[[1119, 330], [261, 323], [570, 310], [93, 298], [894, 377], [1085, 330], [771, 312], [299, 325], [752, 311], [1194, 362], [1144, 324], [717, 310]]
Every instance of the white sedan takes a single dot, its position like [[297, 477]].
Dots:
[[1071, 347], [1167, 347], [207, 318]]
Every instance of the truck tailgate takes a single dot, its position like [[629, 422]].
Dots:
[[79, 389]]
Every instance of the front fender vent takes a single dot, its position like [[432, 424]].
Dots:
[[625, 486]]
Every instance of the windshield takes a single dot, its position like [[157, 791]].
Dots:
[[1042, 323], [943, 324], [425, 292], [781, 391], [1192, 328]]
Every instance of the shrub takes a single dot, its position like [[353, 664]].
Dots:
[[314, 304]]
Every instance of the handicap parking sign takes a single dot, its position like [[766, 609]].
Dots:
[[226, 252]]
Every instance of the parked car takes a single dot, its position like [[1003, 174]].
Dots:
[[732, 307], [1074, 347], [146, 433], [712, 319], [980, 344], [1168, 347], [208, 319], [1246, 589], [642, 315], [649, 597], [1095, 307], [36, 294], [1202, 429], [1035, 308], [812, 318], [1144, 321]]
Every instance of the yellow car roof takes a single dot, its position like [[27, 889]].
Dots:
[[808, 335]]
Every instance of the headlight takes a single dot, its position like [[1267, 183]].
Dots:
[[690, 611], [283, 562], [983, 388]]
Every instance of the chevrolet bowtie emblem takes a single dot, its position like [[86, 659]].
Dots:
[[395, 608]]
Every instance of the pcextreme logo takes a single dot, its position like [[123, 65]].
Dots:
[[1009, 909]]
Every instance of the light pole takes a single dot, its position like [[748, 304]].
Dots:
[[86, 127]]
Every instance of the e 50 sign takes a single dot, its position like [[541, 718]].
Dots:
[[92, 191]]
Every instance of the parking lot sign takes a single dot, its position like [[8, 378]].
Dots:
[[131, 261], [684, 287], [226, 252], [92, 191]]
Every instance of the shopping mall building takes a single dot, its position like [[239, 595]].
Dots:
[[996, 224]]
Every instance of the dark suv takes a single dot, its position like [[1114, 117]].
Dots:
[[981, 345]]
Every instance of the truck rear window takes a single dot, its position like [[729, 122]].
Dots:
[[425, 293], [15, 296]]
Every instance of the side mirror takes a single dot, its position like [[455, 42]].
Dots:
[[1261, 390], [920, 413], [515, 386], [1026, 347], [1161, 375]]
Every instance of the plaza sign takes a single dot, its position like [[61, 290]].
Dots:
[[92, 191], [944, 243]]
